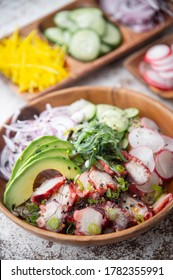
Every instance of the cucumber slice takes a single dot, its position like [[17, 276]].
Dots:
[[63, 20], [131, 112], [102, 108], [85, 45], [67, 36], [111, 114], [105, 49], [87, 108], [55, 35], [81, 11], [113, 35], [58, 36], [124, 143], [90, 20], [120, 124]]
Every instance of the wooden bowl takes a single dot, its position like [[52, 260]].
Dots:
[[122, 98]]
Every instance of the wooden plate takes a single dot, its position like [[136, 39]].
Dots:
[[119, 97], [132, 64], [131, 40]]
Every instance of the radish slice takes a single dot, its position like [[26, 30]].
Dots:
[[145, 154], [47, 189], [166, 75], [157, 52], [146, 188], [155, 80], [147, 123], [164, 164], [163, 201], [146, 137], [168, 143], [163, 68], [164, 61]]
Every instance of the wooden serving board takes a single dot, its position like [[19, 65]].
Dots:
[[131, 40], [132, 64]]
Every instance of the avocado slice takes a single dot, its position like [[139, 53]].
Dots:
[[53, 152], [29, 149], [37, 146], [21, 187]]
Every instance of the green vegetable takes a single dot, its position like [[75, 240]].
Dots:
[[112, 214], [32, 207], [122, 184], [53, 223], [157, 191], [119, 168], [97, 139], [139, 219], [112, 194], [70, 228], [95, 201], [94, 229]]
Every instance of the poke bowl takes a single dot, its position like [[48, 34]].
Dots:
[[98, 197]]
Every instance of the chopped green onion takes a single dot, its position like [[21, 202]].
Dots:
[[119, 168], [94, 229], [32, 207], [112, 214], [53, 223], [157, 188], [139, 219]]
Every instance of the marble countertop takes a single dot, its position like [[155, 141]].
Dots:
[[15, 243]]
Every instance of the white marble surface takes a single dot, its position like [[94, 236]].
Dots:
[[15, 243]]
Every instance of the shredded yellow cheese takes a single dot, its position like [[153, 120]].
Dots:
[[31, 63]]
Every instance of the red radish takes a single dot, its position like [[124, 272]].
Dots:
[[164, 164], [101, 180], [164, 61], [146, 188], [168, 143], [145, 154], [84, 187], [164, 68], [47, 189], [146, 137], [157, 52], [65, 196], [166, 75], [163, 201], [148, 123], [137, 171], [85, 218], [153, 78]]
